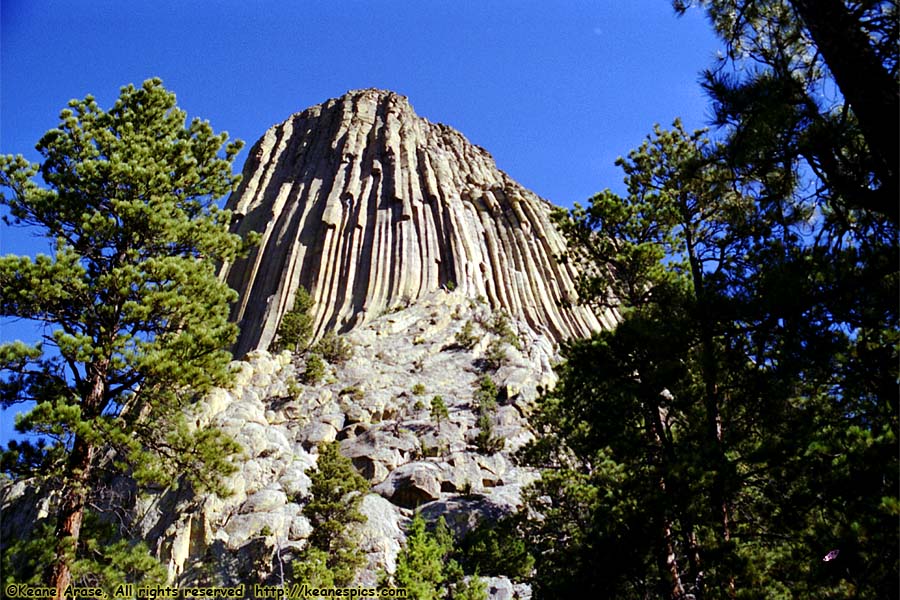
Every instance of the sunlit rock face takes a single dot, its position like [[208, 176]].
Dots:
[[369, 207]]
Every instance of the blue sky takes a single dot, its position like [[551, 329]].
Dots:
[[555, 91]]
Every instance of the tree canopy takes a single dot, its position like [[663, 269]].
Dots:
[[135, 320], [811, 84], [738, 430]]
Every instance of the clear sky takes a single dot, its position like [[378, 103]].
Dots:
[[554, 90]]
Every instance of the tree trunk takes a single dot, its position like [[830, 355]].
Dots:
[[868, 87], [712, 404], [75, 491], [667, 556], [70, 515]]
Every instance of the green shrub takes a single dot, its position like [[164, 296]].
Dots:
[[485, 398], [334, 348], [486, 441], [466, 337], [439, 410], [315, 369], [495, 354], [501, 326], [354, 392], [426, 569], [293, 387], [418, 389], [295, 330], [486, 394]]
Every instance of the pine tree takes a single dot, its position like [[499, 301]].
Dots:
[[426, 569], [730, 401], [295, 330], [773, 91], [439, 411], [333, 557], [705, 445], [136, 320]]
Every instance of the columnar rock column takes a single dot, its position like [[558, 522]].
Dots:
[[368, 206]]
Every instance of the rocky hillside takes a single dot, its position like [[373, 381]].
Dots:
[[366, 205], [377, 405]]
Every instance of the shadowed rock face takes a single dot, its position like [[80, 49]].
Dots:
[[369, 207]]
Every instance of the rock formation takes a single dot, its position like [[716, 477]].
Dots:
[[367, 205], [376, 405], [409, 241]]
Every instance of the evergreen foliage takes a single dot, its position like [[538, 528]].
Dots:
[[315, 369], [295, 330], [104, 558], [466, 337], [494, 354], [426, 569], [704, 447], [332, 556], [334, 349], [136, 320], [108, 561], [773, 91], [501, 327], [485, 397], [497, 548], [486, 394], [439, 411]]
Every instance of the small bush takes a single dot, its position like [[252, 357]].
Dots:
[[486, 394], [334, 349], [495, 354], [485, 398], [295, 330], [486, 441], [354, 392], [315, 369], [293, 387], [418, 389], [501, 326], [466, 337], [439, 410]]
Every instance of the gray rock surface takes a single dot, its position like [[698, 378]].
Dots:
[[369, 206], [377, 405]]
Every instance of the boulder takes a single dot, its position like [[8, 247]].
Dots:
[[412, 484], [380, 536]]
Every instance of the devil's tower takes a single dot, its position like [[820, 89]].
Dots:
[[443, 274], [368, 206]]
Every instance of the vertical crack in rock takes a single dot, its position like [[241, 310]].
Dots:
[[367, 206]]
